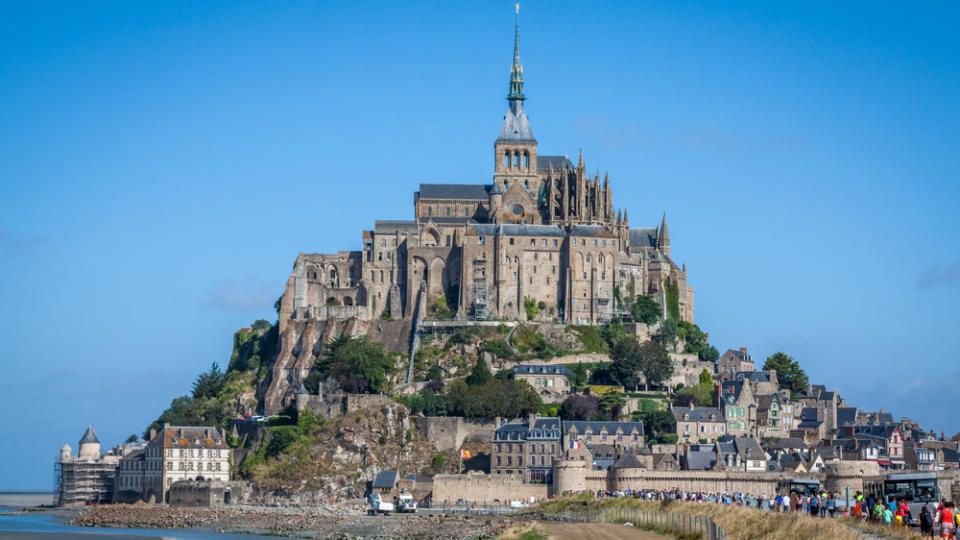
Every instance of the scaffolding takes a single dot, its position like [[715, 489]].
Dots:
[[80, 482], [480, 291]]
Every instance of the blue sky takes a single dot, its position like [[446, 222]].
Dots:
[[162, 164]]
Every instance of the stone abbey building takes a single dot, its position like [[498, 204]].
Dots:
[[544, 230]]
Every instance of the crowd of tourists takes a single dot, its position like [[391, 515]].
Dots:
[[942, 519], [939, 518]]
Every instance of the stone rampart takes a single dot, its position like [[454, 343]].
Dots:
[[484, 488], [337, 405], [450, 432]]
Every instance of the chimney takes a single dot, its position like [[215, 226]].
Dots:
[[531, 418], [153, 434], [743, 350]]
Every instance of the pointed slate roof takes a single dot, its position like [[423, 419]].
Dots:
[[516, 126], [89, 436]]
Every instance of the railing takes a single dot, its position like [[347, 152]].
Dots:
[[661, 521]]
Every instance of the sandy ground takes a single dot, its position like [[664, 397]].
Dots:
[[598, 531]]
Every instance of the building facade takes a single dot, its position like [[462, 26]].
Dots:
[[184, 453], [699, 424], [544, 230]]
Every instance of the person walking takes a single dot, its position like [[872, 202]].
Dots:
[[945, 518], [926, 522]]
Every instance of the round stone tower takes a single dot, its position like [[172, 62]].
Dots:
[[569, 475], [89, 444], [65, 453], [850, 474]]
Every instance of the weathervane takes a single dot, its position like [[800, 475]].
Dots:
[[517, 6]]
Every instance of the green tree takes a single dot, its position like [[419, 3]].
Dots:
[[656, 423], [360, 365], [706, 379], [655, 363], [612, 404], [209, 384], [612, 332], [667, 334], [645, 309], [789, 373], [579, 376], [626, 362], [131, 439], [480, 374], [530, 307]]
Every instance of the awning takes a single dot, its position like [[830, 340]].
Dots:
[[884, 462]]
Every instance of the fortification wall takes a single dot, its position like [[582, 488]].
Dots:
[[484, 488], [337, 405], [449, 433], [856, 475], [193, 493]]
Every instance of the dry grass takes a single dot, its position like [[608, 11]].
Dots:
[[741, 523]]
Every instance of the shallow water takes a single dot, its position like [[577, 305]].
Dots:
[[27, 525]]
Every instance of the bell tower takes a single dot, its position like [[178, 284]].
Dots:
[[515, 150]]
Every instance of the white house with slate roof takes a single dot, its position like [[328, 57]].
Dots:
[[551, 382], [184, 453]]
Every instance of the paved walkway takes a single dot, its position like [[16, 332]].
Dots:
[[598, 531]]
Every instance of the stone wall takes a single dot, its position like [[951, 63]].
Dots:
[[336, 405], [195, 493], [485, 489], [450, 432]]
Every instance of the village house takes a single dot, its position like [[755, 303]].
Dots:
[[733, 362], [739, 408], [552, 383], [527, 449], [698, 424]]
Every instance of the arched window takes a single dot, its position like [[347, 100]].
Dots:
[[429, 211], [588, 257], [448, 211], [526, 184], [333, 274], [506, 160], [526, 160], [516, 159]]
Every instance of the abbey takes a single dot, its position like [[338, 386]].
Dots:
[[545, 232]]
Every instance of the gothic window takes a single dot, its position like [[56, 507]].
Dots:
[[516, 159], [533, 242], [588, 257], [526, 160], [526, 183], [506, 160]]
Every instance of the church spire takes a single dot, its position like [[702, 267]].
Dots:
[[663, 238], [516, 70]]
